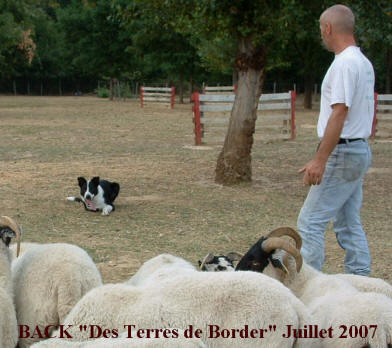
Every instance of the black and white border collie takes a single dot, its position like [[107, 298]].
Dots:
[[97, 194]]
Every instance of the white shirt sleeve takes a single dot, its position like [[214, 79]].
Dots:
[[343, 84]]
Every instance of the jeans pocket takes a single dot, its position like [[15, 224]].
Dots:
[[354, 166]]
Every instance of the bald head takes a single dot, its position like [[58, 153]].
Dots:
[[340, 17]]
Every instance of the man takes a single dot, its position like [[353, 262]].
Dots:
[[337, 171]]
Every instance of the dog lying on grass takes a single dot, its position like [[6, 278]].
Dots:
[[97, 194]]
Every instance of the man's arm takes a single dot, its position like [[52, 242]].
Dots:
[[314, 170]]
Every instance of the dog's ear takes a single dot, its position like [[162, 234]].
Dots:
[[82, 181], [95, 180]]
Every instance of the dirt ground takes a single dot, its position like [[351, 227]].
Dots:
[[168, 202]]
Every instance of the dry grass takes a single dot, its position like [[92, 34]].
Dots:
[[168, 200]]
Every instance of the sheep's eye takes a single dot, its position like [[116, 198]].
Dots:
[[254, 263]]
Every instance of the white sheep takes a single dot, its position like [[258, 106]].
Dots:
[[159, 268], [124, 342], [22, 249], [224, 263], [367, 284], [49, 279], [332, 301], [8, 325], [228, 300]]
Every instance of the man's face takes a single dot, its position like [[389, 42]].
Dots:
[[324, 33]]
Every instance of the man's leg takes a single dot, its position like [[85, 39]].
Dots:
[[351, 235], [321, 206]]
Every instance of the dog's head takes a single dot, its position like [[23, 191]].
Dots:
[[88, 189]]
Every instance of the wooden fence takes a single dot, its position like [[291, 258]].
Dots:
[[219, 89], [275, 120], [164, 95], [382, 122]]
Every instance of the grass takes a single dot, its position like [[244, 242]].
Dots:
[[168, 200]]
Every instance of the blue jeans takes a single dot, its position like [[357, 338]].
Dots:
[[338, 198]]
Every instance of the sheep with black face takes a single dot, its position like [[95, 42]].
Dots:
[[331, 299]]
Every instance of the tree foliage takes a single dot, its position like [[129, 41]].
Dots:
[[169, 41]]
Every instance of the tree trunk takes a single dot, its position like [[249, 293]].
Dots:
[[308, 91], [235, 77], [14, 87], [60, 88], [389, 71], [111, 89], [181, 88], [234, 161]]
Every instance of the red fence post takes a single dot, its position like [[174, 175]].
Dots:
[[293, 95], [173, 97], [196, 117], [142, 96], [374, 124]]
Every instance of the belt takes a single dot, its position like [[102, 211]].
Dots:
[[346, 141]]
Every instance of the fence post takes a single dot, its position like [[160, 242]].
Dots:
[[374, 124], [293, 95], [142, 96], [196, 117], [173, 97]]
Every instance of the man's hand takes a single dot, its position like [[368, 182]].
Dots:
[[314, 171]]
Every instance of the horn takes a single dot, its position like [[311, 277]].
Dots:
[[209, 257], [287, 231], [273, 243], [8, 222]]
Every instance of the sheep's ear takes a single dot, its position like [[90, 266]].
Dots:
[[6, 234], [81, 181], [234, 256], [95, 180]]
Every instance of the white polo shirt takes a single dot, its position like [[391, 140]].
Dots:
[[349, 80]]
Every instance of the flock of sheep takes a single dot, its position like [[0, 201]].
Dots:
[[53, 284]]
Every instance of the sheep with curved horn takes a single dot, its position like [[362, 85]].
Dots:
[[262, 252], [331, 299]]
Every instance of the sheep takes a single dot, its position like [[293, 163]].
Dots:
[[224, 263], [332, 300], [159, 268], [228, 300], [22, 249], [220, 263], [8, 324], [49, 279], [124, 342], [367, 284]]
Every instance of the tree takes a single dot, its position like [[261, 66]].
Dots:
[[97, 43], [254, 28], [160, 49], [374, 33], [304, 50], [17, 47]]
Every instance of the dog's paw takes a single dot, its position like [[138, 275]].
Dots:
[[107, 210]]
